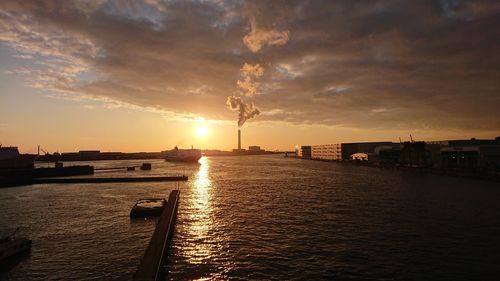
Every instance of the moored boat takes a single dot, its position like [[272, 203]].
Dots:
[[149, 207], [12, 247]]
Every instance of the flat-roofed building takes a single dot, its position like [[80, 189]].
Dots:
[[305, 152], [472, 154], [327, 151], [348, 149], [254, 148], [465, 157]]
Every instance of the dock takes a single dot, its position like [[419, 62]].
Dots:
[[48, 172], [19, 181], [109, 180], [152, 265]]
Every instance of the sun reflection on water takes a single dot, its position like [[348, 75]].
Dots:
[[200, 218]]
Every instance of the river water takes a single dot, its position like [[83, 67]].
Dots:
[[263, 218]]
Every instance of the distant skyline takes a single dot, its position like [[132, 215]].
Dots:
[[149, 75]]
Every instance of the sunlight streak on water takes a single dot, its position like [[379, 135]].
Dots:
[[200, 217], [263, 218]]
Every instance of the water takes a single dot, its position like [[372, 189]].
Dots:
[[264, 217]]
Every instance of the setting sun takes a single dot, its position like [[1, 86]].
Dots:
[[202, 131]]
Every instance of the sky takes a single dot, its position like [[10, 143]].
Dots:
[[149, 75]]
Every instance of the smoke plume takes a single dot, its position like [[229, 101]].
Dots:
[[261, 35], [252, 70], [246, 110], [248, 86]]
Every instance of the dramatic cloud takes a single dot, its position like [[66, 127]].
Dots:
[[378, 64]]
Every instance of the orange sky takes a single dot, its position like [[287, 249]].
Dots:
[[130, 76]]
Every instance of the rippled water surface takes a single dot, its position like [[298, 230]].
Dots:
[[264, 217]]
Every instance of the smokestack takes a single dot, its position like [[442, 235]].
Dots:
[[239, 139]]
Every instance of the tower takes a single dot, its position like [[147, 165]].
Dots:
[[239, 139]]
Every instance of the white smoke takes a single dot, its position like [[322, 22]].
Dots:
[[246, 110], [248, 86], [260, 36]]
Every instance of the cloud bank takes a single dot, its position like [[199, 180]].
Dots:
[[378, 64]]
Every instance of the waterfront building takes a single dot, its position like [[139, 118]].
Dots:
[[327, 152], [433, 151], [475, 142], [298, 152], [390, 156], [369, 148], [305, 152], [472, 154], [464, 157], [414, 154]]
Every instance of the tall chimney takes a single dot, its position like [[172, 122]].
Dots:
[[239, 139]]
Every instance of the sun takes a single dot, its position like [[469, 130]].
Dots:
[[201, 131]]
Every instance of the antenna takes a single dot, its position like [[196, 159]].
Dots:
[[400, 140], [411, 138]]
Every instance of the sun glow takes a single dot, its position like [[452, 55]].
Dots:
[[202, 131]]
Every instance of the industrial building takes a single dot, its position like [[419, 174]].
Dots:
[[305, 152], [327, 152], [413, 154], [369, 148], [255, 148], [472, 154], [342, 151], [252, 149]]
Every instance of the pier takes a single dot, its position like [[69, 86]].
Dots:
[[109, 180], [152, 265], [19, 181]]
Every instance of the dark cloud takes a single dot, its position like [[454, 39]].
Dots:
[[378, 64]]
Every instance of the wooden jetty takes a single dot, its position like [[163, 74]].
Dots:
[[144, 166], [19, 181], [108, 180], [48, 172], [152, 266]]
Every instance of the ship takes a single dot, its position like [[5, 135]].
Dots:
[[11, 159], [183, 155], [12, 247]]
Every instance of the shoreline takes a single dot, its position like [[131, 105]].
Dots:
[[471, 174]]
